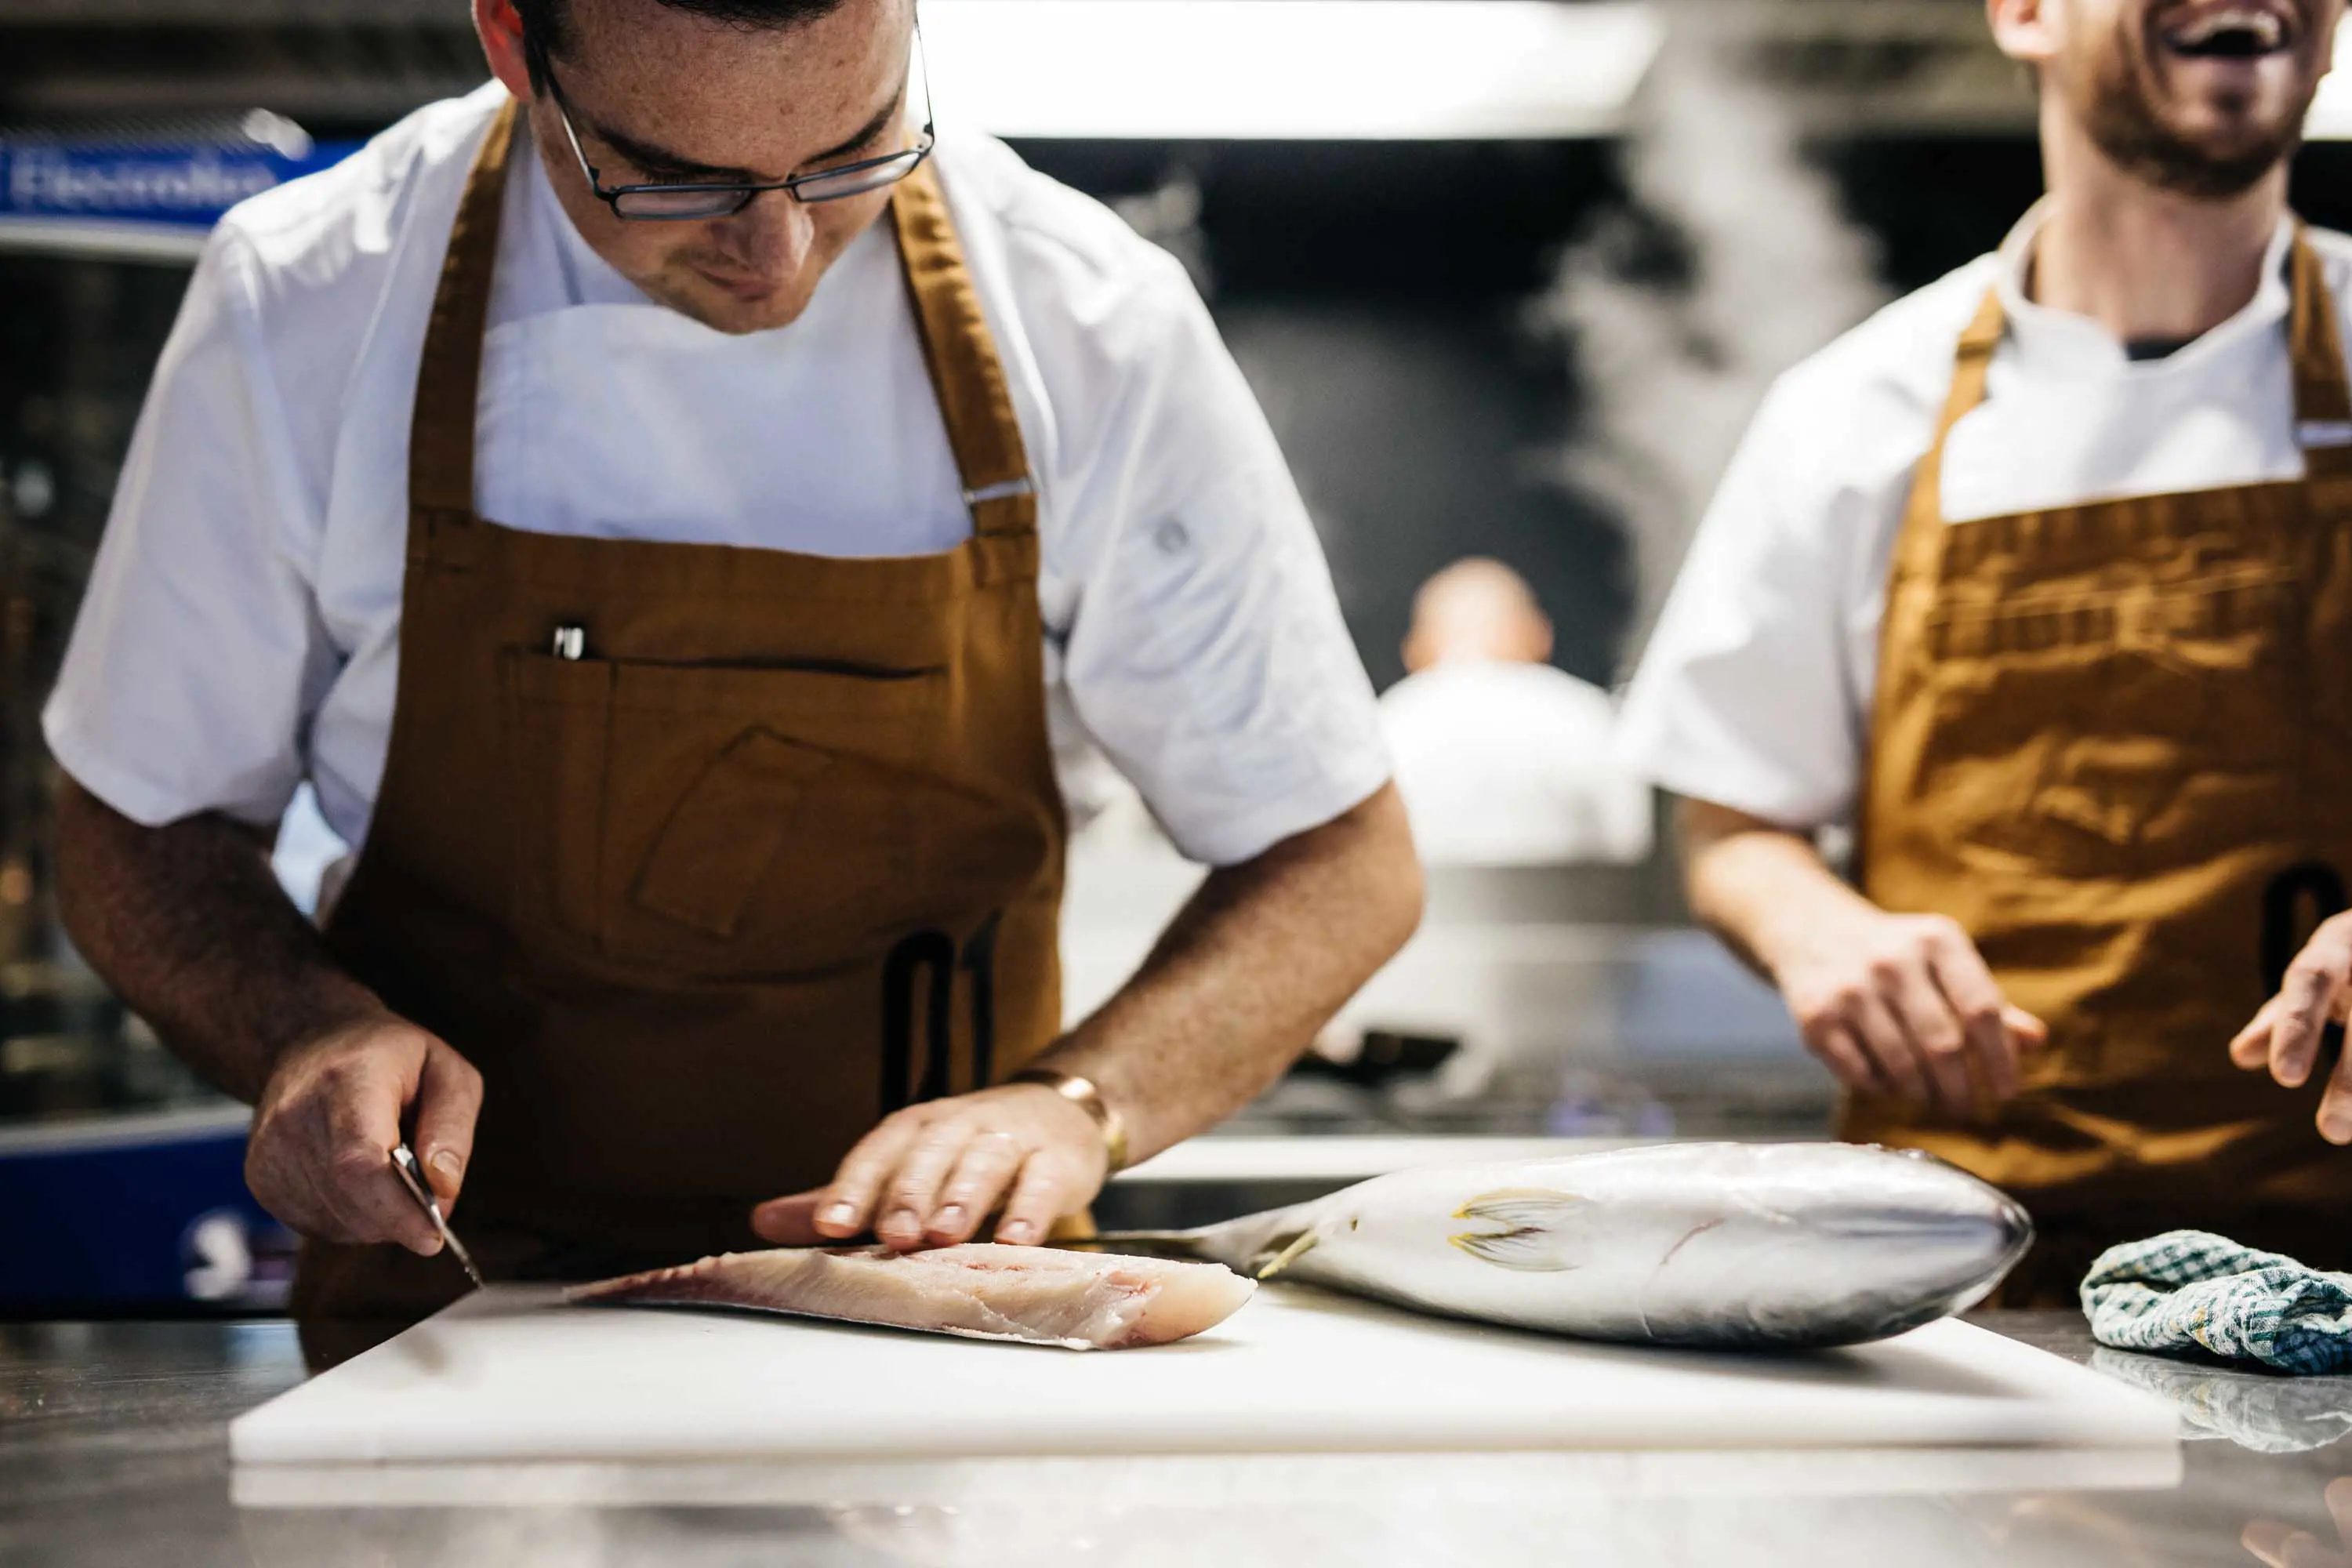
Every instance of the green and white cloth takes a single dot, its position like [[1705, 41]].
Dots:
[[2191, 1290]]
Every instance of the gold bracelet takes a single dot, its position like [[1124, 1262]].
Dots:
[[1082, 1093]]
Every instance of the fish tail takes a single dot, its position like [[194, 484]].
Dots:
[[1184, 1245], [1296, 1248], [1258, 1258]]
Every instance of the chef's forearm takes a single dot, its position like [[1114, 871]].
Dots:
[[190, 927], [1762, 889], [1246, 975]]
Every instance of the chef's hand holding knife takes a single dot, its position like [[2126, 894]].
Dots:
[[334, 1106], [931, 1175], [928, 1175], [2286, 1034], [189, 922], [1897, 1005]]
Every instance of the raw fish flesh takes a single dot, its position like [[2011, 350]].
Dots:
[[1742, 1246], [982, 1291]]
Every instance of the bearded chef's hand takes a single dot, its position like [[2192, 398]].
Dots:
[[1901, 1004], [1895, 1005], [931, 1173], [320, 1157], [2286, 1034]]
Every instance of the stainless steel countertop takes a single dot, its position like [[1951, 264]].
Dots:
[[113, 1450]]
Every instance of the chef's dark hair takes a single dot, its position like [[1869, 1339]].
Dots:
[[543, 20]]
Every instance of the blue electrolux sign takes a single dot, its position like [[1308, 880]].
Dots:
[[189, 187]]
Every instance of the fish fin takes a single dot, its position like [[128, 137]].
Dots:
[[1534, 1239], [1522, 1208], [1529, 1250], [1274, 1263]]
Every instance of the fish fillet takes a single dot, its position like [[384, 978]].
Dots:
[[980, 1290]]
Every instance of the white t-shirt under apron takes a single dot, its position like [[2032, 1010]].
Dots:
[[1757, 687], [241, 631]]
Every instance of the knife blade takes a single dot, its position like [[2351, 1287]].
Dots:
[[412, 1177]]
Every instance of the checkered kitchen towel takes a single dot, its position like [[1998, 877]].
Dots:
[[2192, 1291]]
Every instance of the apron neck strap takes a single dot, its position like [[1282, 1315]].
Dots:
[[1923, 528], [2323, 398], [441, 427], [967, 374]]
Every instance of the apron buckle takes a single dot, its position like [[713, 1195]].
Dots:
[[1027, 486]]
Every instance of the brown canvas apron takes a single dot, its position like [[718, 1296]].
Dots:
[[707, 857], [2114, 742]]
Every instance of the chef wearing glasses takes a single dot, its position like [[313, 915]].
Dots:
[[677, 514], [2040, 578]]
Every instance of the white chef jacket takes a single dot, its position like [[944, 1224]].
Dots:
[[1756, 690], [1508, 764], [241, 631]]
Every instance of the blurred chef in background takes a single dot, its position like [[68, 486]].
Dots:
[[2040, 577], [675, 513], [1502, 759]]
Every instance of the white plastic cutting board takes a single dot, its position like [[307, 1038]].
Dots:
[[512, 1374]]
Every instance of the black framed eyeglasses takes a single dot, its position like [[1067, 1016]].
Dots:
[[676, 201]]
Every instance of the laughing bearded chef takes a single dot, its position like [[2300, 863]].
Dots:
[[2040, 577], [675, 515]]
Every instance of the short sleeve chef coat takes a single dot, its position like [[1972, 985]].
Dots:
[[241, 629], [1757, 687]]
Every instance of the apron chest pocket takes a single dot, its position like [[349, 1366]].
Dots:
[[715, 821], [734, 821], [2118, 735]]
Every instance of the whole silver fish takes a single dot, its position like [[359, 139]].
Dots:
[[1730, 1245]]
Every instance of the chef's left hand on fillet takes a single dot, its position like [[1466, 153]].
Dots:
[[931, 1173], [2285, 1035]]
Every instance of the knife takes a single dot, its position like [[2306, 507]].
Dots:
[[403, 1161]]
